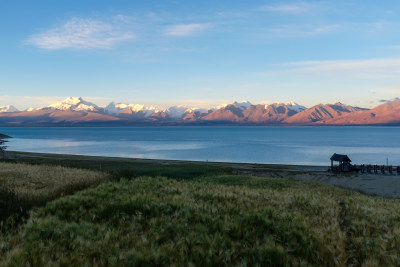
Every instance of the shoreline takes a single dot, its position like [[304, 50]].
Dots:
[[154, 125], [383, 185]]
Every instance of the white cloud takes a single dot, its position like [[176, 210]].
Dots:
[[355, 82], [186, 29], [80, 34], [302, 31], [367, 68], [295, 8]]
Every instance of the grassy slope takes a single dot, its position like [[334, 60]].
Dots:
[[23, 186], [46, 182], [218, 220]]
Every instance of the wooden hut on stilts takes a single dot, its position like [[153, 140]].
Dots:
[[344, 163]]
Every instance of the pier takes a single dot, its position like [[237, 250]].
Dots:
[[346, 166], [378, 169]]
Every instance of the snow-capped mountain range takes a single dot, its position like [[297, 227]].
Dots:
[[77, 111], [76, 104], [116, 109], [124, 109]]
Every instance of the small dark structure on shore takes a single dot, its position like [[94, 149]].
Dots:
[[346, 166], [344, 163]]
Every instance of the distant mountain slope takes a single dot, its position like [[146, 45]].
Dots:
[[320, 113], [388, 113], [276, 112], [77, 111], [49, 116], [194, 116], [231, 113], [247, 113]]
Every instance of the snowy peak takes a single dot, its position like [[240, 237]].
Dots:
[[73, 100], [76, 104], [220, 106], [9, 108], [178, 112], [122, 108], [243, 105], [290, 105]]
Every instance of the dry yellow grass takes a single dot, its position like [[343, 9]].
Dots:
[[43, 182]]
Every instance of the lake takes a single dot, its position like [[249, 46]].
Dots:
[[283, 145]]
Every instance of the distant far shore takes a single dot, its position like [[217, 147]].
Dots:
[[108, 125]]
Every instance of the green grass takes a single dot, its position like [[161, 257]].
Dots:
[[124, 167], [24, 186], [216, 220], [204, 215], [12, 209]]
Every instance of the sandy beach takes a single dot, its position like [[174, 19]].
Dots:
[[373, 184], [385, 185]]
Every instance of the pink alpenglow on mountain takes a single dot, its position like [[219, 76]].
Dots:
[[321, 113], [387, 113], [77, 111]]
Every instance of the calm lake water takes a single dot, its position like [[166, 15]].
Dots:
[[285, 145]]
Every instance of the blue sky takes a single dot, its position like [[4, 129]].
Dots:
[[200, 53]]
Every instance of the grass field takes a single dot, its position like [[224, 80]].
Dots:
[[208, 218], [176, 169], [23, 186]]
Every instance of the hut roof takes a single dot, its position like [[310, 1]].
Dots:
[[339, 157]]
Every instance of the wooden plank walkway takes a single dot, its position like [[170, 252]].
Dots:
[[369, 168]]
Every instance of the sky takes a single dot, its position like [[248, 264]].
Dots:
[[199, 53]]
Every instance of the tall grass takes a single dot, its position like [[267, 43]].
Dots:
[[220, 220], [12, 209], [123, 167], [46, 182], [24, 186]]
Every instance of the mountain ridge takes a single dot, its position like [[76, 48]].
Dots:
[[77, 111]]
